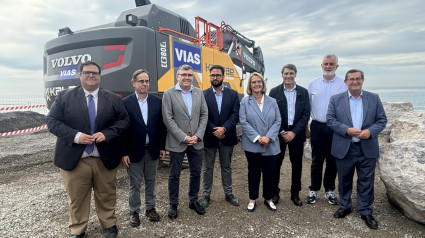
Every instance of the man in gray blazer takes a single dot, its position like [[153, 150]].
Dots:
[[185, 115], [356, 117]]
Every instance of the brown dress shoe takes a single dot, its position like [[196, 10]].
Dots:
[[152, 214], [134, 219]]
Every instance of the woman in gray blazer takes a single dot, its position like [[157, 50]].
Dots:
[[260, 120]]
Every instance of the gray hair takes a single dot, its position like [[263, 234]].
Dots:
[[289, 66], [331, 56], [184, 67], [138, 72]]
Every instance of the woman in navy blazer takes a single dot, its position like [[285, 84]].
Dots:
[[260, 120]]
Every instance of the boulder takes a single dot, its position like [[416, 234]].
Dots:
[[402, 159], [402, 169]]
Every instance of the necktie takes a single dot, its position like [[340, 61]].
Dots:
[[92, 116]]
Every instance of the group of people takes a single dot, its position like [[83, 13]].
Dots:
[[97, 130]]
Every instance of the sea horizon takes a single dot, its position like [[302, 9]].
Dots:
[[412, 94]]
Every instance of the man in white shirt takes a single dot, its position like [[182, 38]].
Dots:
[[320, 91]]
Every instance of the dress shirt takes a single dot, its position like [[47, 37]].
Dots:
[[95, 95], [143, 104], [260, 105], [291, 97], [356, 109], [218, 97], [320, 91], [187, 98]]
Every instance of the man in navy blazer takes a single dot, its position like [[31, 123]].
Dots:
[[223, 115], [294, 107], [356, 117], [144, 144], [88, 122]]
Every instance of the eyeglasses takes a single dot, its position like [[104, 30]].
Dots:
[[90, 72], [142, 81], [186, 75], [354, 79], [216, 75]]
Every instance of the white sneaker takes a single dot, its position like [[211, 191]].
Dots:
[[312, 197], [332, 199]]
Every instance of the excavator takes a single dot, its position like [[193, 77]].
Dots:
[[153, 38]]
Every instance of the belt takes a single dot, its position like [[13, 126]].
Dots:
[[323, 123], [355, 143]]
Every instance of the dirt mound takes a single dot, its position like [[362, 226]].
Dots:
[[13, 121]]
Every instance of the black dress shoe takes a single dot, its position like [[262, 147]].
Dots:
[[270, 205], [111, 232], [341, 213], [82, 235], [134, 219], [370, 221], [230, 198], [297, 201], [276, 198], [152, 215], [197, 207], [172, 213]]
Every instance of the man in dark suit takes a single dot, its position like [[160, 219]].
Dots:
[[294, 107], [144, 144], [185, 115], [356, 117], [223, 115], [88, 122]]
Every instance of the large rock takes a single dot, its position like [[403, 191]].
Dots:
[[402, 160]]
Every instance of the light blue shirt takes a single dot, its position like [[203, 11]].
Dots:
[[143, 104], [320, 91], [291, 98], [218, 97], [356, 109], [187, 98]]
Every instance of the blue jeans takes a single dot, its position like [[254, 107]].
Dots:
[[195, 165]]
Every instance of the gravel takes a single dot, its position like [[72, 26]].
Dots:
[[33, 203]]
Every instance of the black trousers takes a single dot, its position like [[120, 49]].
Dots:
[[321, 142], [296, 149], [257, 165]]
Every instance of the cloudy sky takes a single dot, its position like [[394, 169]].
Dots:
[[386, 39]]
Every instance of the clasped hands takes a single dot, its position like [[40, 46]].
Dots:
[[219, 132], [288, 136], [264, 141], [361, 134], [191, 140], [90, 139]]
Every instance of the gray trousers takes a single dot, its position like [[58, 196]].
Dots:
[[144, 169], [225, 156]]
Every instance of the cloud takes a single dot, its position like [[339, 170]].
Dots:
[[384, 38]]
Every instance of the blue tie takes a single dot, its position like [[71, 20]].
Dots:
[[92, 116]]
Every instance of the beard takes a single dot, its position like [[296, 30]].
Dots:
[[216, 83], [328, 74]]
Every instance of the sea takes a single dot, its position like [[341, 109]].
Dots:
[[413, 94]]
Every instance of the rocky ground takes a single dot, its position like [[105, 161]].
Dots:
[[33, 203]]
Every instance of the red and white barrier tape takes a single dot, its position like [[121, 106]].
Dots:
[[23, 131], [20, 107]]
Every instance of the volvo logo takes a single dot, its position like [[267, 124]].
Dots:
[[70, 60]]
